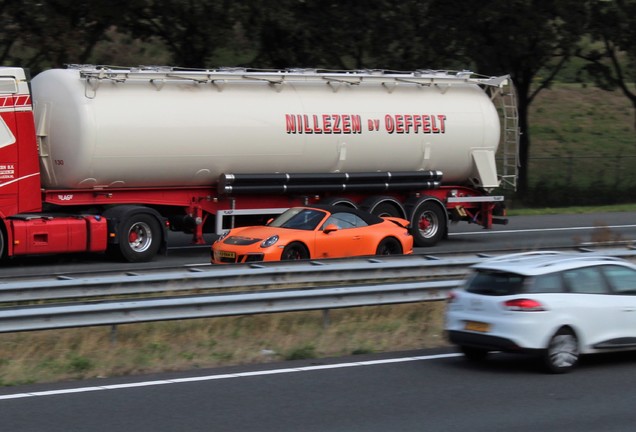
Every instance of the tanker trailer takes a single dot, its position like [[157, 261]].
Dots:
[[171, 130], [204, 150]]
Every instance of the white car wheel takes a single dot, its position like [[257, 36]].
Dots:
[[474, 354], [562, 353]]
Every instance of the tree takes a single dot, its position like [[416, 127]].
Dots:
[[192, 30], [40, 35], [612, 51], [528, 39], [353, 34], [323, 34], [409, 35]]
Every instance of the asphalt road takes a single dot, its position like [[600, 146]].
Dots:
[[522, 233], [415, 391], [542, 232]]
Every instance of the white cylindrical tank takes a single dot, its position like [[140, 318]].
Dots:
[[170, 128]]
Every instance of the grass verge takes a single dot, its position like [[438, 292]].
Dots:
[[75, 354], [571, 210]]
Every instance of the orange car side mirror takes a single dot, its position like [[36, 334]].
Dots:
[[330, 228], [269, 221]]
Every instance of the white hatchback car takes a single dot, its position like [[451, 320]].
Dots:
[[553, 304]]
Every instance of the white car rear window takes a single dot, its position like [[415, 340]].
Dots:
[[495, 283]]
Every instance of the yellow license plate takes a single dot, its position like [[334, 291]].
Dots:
[[226, 254], [477, 326]]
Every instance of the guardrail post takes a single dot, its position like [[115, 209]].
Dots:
[[325, 318], [113, 334]]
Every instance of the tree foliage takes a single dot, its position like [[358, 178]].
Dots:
[[356, 34], [611, 55], [528, 39], [41, 34], [190, 29]]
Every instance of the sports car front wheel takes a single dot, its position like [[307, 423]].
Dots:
[[389, 246], [294, 251]]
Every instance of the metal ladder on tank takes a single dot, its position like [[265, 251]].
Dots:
[[509, 156]]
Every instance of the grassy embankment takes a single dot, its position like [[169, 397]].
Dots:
[[583, 148], [566, 121]]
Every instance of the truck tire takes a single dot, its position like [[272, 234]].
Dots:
[[333, 201], [140, 237], [428, 223], [386, 209], [383, 206]]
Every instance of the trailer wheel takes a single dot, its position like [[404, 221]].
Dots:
[[294, 251], [139, 238], [337, 201], [428, 223], [383, 206], [386, 209]]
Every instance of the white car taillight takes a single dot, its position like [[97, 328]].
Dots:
[[524, 305]]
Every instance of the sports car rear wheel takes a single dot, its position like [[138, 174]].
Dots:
[[294, 251], [389, 246]]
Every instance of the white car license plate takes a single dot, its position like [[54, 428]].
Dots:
[[477, 326]]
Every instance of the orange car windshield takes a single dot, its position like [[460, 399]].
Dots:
[[299, 218]]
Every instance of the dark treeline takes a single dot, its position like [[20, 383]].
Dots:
[[531, 40]]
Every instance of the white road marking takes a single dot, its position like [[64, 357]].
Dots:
[[225, 376]]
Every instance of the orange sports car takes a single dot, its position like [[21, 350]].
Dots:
[[312, 233]]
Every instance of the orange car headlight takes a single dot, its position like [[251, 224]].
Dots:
[[269, 241]]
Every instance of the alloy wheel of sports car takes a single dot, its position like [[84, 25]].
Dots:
[[294, 251], [389, 246], [562, 353]]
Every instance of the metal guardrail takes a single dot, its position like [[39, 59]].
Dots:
[[137, 311], [269, 276], [384, 283]]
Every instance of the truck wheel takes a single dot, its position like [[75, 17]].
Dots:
[[389, 246], [333, 201], [294, 251], [383, 206], [386, 209], [139, 238], [428, 224]]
